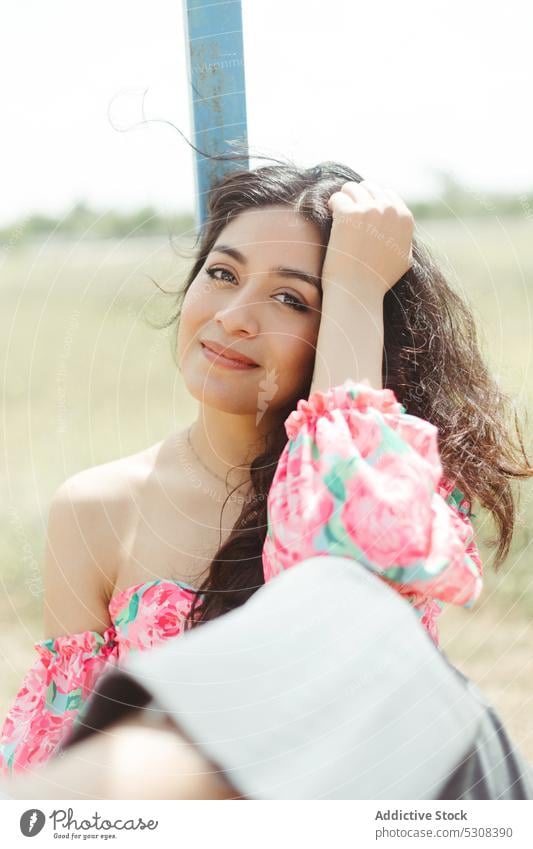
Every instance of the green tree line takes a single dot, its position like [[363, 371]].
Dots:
[[454, 200]]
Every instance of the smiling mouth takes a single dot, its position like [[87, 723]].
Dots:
[[227, 362]]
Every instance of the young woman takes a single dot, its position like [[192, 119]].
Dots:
[[312, 280]]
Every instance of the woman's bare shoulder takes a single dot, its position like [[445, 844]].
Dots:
[[93, 518], [103, 499], [121, 485], [116, 482]]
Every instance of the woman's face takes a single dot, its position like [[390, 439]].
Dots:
[[248, 302]]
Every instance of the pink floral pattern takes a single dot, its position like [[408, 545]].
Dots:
[[56, 688], [361, 478]]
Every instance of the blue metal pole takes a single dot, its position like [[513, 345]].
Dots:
[[215, 67]]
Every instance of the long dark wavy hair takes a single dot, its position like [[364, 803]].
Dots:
[[431, 360]]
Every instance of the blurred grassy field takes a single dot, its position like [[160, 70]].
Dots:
[[87, 380]]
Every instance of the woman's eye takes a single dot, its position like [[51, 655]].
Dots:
[[214, 268], [292, 301]]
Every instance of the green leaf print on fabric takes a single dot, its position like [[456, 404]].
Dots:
[[455, 499], [128, 613], [58, 703], [74, 700], [334, 538], [51, 694], [334, 480], [391, 441]]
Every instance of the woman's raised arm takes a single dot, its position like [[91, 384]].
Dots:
[[369, 250]]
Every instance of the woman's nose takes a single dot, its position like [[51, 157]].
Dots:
[[240, 315]]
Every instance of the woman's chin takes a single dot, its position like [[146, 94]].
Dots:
[[215, 390]]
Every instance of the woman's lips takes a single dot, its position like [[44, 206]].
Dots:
[[225, 362]]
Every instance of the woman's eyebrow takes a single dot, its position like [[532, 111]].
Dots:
[[282, 271]]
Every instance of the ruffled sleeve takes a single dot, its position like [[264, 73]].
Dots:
[[361, 478], [52, 693]]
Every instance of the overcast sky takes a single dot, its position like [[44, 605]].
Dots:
[[396, 90]]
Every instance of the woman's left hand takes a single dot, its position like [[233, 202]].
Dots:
[[370, 244]]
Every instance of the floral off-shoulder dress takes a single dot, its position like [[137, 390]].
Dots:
[[358, 478], [55, 689]]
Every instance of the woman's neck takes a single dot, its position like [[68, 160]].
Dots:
[[223, 441]]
